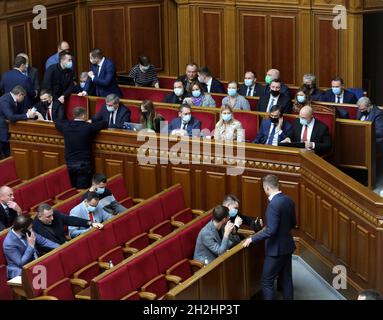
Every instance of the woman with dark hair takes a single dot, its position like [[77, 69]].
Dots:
[[198, 97], [149, 118], [301, 99]]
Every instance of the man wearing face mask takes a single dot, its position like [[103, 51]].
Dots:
[[50, 110], [211, 84], [59, 78], [274, 129], [185, 122], [144, 73], [273, 97], [178, 95], [88, 210], [80, 86], [107, 201], [274, 74], [312, 132], [113, 112], [250, 87], [102, 75], [338, 94], [309, 87]]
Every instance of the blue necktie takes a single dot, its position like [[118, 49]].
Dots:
[[271, 136]]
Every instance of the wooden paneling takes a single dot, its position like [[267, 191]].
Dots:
[[68, 33], [236, 279], [183, 176], [18, 36], [211, 286], [283, 46], [343, 237], [252, 192], [326, 50], [50, 160], [113, 167], [324, 223], [108, 34], [146, 33], [360, 250], [308, 213], [211, 43], [147, 184], [215, 188], [292, 190], [23, 163]]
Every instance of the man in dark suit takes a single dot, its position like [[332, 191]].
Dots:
[[178, 95], [113, 112], [274, 129], [274, 74], [185, 121], [190, 76], [59, 78], [102, 75], [311, 131], [309, 87], [16, 77], [250, 87], [11, 109], [33, 74], [279, 244], [275, 96], [338, 94], [9, 209], [78, 138], [210, 84], [50, 110]]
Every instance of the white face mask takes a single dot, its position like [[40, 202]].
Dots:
[[144, 69], [178, 91]]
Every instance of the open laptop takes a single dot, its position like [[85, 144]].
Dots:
[[292, 144], [131, 126], [125, 80]]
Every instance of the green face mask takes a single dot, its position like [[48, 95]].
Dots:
[[268, 79]]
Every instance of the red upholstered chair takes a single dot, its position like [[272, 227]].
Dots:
[[168, 253], [166, 82], [117, 186], [99, 104], [67, 205], [5, 290], [184, 268], [173, 201], [75, 101], [290, 118], [253, 102], [62, 290], [168, 113], [218, 97], [38, 189], [58, 184], [250, 122], [208, 119], [124, 91], [8, 174], [135, 113], [352, 110]]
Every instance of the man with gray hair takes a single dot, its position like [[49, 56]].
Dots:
[[113, 112], [274, 74], [309, 87]]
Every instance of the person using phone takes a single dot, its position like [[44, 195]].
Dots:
[[19, 245]]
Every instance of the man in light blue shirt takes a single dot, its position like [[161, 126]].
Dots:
[[54, 59]]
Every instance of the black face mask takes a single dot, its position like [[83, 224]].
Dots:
[[45, 104], [307, 86], [365, 113], [274, 93], [274, 120], [145, 114]]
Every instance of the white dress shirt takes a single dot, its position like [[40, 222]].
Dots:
[[277, 133], [208, 84], [272, 102], [273, 195]]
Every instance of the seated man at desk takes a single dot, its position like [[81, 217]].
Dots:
[[311, 132]]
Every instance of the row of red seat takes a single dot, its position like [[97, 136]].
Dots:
[[9, 176], [77, 262], [154, 272], [5, 290]]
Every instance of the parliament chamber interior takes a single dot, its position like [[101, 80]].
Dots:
[[191, 150]]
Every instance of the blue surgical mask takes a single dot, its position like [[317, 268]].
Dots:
[[100, 190], [196, 93], [186, 118], [336, 90], [91, 208], [69, 65], [248, 82], [110, 109], [301, 99], [303, 122], [233, 212], [82, 85], [226, 117], [232, 92], [178, 91]]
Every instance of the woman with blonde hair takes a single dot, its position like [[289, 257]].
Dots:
[[227, 128]]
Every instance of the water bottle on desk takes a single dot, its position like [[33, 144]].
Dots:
[[111, 265]]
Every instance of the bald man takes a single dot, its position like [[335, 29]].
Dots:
[[274, 74], [9, 209], [311, 131], [54, 59]]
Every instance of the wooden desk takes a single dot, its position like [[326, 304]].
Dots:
[[17, 288], [83, 294]]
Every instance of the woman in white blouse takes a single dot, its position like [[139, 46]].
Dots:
[[227, 128]]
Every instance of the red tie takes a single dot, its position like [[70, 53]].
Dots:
[[49, 115], [304, 137], [90, 216]]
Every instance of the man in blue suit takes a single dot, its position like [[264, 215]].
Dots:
[[102, 75], [273, 130], [113, 112], [17, 77], [279, 244], [210, 84], [19, 245], [185, 121], [11, 109]]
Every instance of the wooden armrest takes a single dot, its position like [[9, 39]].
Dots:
[[80, 297], [14, 183], [79, 282], [60, 195], [45, 291], [34, 208], [154, 236], [196, 263], [77, 273], [173, 278], [176, 224], [104, 265], [147, 295], [130, 250], [149, 283], [198, 212], [137, 200], [45, 298], [245, 232]]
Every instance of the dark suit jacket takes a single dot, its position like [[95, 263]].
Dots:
[[258, 90], [5, 220], [376, 117], [9, 111], [216, 87], [283, 101], [106, 82], [263, 132], [13, 78], [320, 136], [33, 74], [348, 97], [58, 112], [280, 219], [59, 81], [284, 89], [193, 124], [185, 80], [123, 115], [172, 98]]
